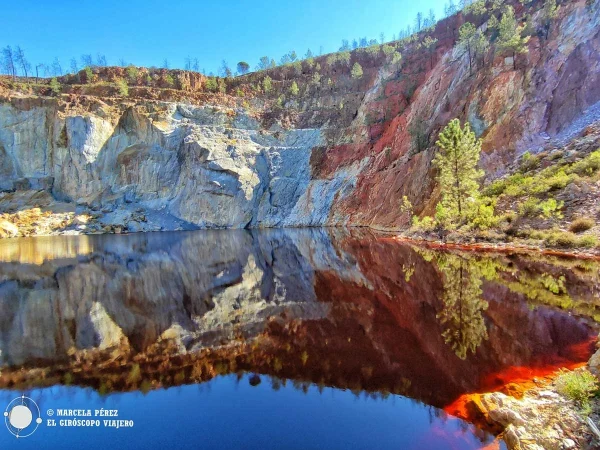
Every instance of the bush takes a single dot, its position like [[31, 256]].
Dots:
[[551, 208], [562, 239], [89, 75], [169, 80], [484, 217], [578, 386], [565, 239], [588, 242], [587, 166], [529, 208], [123, 88], [211, 85], [581, 224], [294, 90], [529, 162], [357, 71], [55, 86], [132, 74], [425, 224], [267, 84]]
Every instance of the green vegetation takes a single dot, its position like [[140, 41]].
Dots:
[[123, 88], [578, 386], [267, 84], [294, 90], [211, 85], [510, 35], [474, 43], [357, 71], [132, 74], [55, 86], [458, 174], [581, 225], [243, 67], [89, 75]]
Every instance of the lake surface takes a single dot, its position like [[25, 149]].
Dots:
[[308, 339]]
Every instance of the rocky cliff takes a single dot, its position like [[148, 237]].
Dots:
[[343, 151]]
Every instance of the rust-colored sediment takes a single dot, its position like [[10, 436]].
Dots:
[[492, 248], [515, 381]]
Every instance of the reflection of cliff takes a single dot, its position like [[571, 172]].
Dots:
[[351, 311]]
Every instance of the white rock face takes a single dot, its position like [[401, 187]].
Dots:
[[208, 166]]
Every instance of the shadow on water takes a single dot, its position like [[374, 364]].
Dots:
[[339, 327]]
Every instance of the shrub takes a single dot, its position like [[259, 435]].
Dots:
[[123, 88], [581, 224], [578, 386], [551, 208], [529, 162], [357, 71], [267, 84], [55, 86], [211, 85], [588, 242], [425, 224], [587, 166], [169, 80], [132, 74], [89, 75], [529, 208], [294, 90], [562, 239], [484, 217]]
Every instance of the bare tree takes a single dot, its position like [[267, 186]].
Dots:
[[165, 64], [22, 61], [87, 60], [188, 63], [122, 62], [382, 37], [74, 66], [196, 65], [101, 60], [8, 61], [37, 67], [56, 67], [225, 71]]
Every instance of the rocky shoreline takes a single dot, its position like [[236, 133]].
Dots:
[[535, 416]]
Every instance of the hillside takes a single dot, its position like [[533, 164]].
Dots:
[[176, 150]]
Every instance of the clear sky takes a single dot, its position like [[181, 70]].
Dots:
[[146, 32]]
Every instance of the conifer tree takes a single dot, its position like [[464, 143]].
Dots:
[[458, 174], [430, 45], [294, 90], [357, 71], [510, 38]]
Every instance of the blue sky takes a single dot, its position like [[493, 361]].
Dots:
[[146, 32]]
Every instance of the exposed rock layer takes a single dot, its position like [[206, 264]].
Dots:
[[345, 156]]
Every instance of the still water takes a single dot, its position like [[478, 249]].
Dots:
[[308, 339]]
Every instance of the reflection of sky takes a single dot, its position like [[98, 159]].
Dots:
[[227, 414]]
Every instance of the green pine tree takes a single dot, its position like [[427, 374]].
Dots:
[[55, 86], [267, 84], [294, 89], [458, 174], [357, 71], [510, 38]]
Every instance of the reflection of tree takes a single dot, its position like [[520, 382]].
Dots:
[[463, 305]]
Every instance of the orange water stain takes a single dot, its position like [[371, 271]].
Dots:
[[515, 380]]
